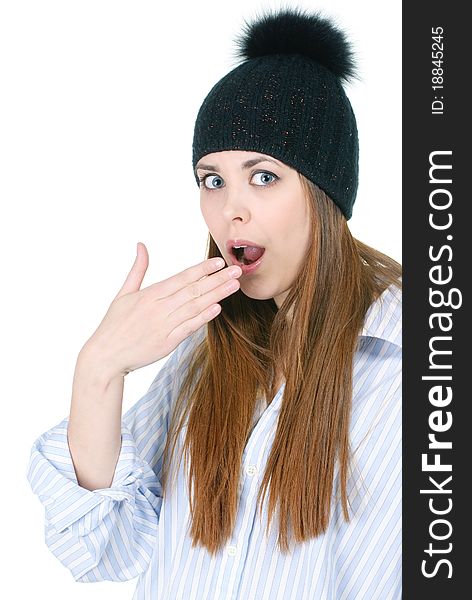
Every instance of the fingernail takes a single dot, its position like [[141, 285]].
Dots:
[[235, 271]]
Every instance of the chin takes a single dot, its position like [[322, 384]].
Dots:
[[255, 294]]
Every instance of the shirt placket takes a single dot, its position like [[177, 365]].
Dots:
[[253, 465]]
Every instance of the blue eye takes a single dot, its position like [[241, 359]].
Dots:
[[274, 177], [205, 178], [265, 183]]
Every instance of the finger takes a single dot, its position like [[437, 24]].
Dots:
[[136, 275], [202, 287], [173, 284], [194, 307], [183, 330]]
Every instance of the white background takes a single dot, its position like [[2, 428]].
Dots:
[[97, 108]]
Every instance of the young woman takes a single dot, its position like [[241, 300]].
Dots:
[[283, 390]]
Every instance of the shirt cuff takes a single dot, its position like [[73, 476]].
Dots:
[[68, 505]]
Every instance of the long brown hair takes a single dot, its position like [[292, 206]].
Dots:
[[244, 348]]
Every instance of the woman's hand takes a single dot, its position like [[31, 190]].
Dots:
[[143, 326]]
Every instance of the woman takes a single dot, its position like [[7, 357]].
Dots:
[[284, 390]]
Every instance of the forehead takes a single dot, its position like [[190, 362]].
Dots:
[[235, 157]]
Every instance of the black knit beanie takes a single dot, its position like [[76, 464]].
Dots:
[[287, 100]]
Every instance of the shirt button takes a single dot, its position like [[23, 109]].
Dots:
[[251, 470], [232, 550]]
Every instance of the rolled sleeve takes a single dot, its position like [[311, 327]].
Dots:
[[82, 527]]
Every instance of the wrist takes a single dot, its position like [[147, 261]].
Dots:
[[93, 366]]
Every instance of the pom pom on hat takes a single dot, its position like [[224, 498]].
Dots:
[[294, 31]]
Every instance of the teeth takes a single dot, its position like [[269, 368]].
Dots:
[[237, 247]]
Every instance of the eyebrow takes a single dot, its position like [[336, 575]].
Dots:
[[245, 165]]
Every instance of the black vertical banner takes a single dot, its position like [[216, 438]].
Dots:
[[437, 427]]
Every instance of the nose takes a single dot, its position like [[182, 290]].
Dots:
[[236, 205]]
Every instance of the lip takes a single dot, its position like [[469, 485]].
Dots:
[[246, 269]]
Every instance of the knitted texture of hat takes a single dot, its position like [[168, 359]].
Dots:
[[286, 99]]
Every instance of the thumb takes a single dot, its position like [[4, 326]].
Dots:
[[136, 275]]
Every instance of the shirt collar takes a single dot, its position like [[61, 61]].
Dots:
[[384, 317]]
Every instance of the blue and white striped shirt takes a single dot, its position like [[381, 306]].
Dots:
[[128, 530]]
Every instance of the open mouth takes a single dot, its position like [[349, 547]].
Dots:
[[246, 255]]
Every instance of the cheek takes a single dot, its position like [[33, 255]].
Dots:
[[206, 213], [285, 231], [295, 234], [212, 220]]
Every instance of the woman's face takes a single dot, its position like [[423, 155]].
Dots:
[[252, 196]]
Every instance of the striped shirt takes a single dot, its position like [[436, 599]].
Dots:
[[128, 530]]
